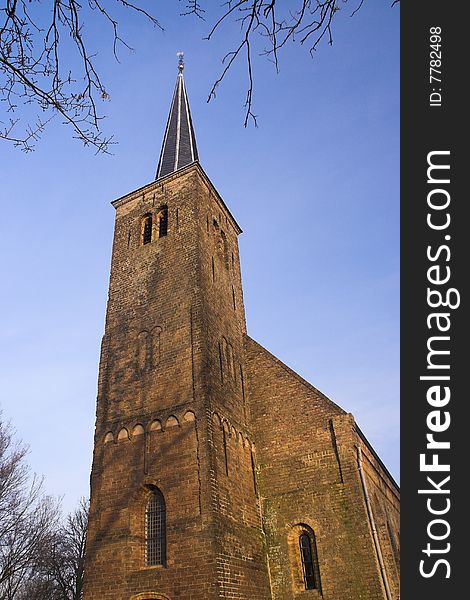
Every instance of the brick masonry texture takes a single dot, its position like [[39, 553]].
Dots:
[[246, 453]]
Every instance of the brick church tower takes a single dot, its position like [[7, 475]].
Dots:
[[218, 472]]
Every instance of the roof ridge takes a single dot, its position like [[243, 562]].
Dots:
[[299, 378]]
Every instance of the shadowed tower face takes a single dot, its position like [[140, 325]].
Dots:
[[174, 511], [218, 472]]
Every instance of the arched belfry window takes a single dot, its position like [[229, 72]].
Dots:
[[308, 557], [162, 217], [147, 229], [155, 529]]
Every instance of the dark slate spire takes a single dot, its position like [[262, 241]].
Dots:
[[179, 144]]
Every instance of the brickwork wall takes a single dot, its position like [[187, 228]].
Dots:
[[385, 504], [308, 478], [240, 549], [169, 460], [246, 453], [171, 407]]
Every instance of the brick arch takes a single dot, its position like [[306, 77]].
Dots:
[[123, 434], [172, 421], [155, 425], [307, 523], [189, 416], [138, 501], [138, 430], [149, 596], [141, 495]]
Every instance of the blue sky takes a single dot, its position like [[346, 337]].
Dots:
[[314, 188]]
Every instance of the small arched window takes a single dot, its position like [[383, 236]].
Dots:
[[309, 561], [147, 229], [155, 530], [162, 221]]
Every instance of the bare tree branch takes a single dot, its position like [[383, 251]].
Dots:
[[36, 75], [309, 21], [59, 568], [27, 516], [34, 71], [194, 8]]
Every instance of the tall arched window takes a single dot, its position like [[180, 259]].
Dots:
[[147, 229], [155, 530], [309, 561]]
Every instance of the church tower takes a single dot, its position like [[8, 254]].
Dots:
[[217, 471], [172, 515]]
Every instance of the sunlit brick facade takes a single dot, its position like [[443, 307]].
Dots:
[[218, 472]]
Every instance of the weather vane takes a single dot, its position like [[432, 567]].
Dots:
[[180, 56]]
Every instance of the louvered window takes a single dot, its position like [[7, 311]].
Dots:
[[163, 221], [147, 230]]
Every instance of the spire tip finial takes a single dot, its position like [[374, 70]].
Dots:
[[180, 56], [179, 147]]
